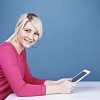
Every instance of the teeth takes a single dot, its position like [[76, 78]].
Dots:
[[28, 41]]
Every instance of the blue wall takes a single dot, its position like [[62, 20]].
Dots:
[[71, 40]]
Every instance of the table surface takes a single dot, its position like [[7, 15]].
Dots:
[[83, 91]]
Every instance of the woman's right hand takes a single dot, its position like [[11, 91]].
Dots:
[[66, 86]]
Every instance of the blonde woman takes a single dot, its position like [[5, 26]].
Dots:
[[15, 76]]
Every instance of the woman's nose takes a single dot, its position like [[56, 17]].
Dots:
[[31, 36]]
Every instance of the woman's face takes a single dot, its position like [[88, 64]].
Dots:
[[28, 36]]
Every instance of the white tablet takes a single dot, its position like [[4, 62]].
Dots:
[[80, 76]]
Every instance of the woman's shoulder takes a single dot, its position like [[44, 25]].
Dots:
[[5, 45], [8, 47]]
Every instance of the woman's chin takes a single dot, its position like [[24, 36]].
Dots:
[[27, 46]]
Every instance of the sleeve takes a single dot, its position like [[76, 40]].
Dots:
[[31, 79], [28, 76], [12, 73]]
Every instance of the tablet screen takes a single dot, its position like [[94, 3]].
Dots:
[[78, 76]]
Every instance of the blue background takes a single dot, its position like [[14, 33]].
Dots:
[[71, 39]]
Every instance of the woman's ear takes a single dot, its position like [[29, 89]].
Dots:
[[16, 29]]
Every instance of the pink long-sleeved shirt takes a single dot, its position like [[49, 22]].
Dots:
[[15, 75]]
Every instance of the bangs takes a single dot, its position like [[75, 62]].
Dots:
[[37, 25]]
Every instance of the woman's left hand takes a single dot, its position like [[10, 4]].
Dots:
[[62, 80], [58, 82]]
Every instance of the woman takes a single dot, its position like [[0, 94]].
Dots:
[[15, 76]]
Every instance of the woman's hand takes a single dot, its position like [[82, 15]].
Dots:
[[62, 80], [50, 82], [66, 86], [63, 85]]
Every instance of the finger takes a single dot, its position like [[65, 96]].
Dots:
[[73, 85], [69, 79], [73, 88], [69, 90]]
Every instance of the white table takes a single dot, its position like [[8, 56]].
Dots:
[[83, 91]]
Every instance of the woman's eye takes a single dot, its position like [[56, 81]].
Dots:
[[27, 31], [36, 34]]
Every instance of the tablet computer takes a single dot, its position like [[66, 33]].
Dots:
[[80, 75]]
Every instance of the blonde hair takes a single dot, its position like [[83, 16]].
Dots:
[[28, 17]]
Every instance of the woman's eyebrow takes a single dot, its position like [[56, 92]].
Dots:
[[31, 30], [27, 28]]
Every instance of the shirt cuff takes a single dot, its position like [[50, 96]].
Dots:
[[43, 89], [43, 81]]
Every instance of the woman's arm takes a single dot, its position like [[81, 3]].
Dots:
[[31, 79], [13, 75], [28, 76]]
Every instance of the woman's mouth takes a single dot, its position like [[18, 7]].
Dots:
[[28, 41]]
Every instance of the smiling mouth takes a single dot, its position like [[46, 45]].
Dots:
[[28, 41]]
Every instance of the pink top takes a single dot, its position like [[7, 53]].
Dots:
[[15, 75]]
